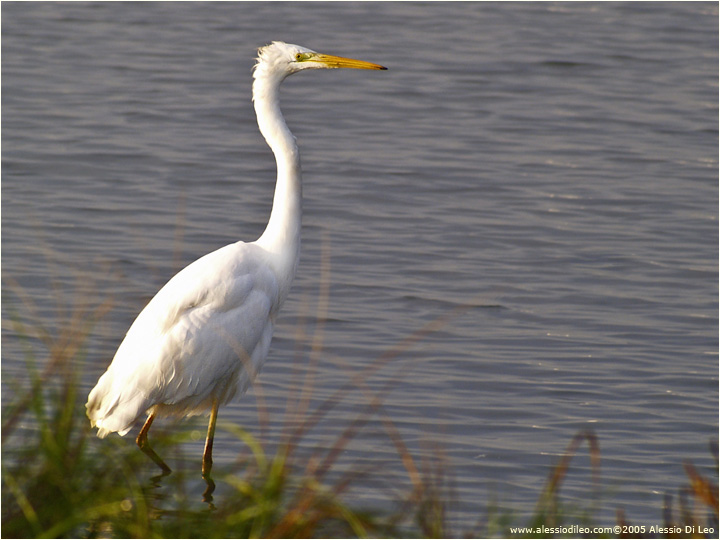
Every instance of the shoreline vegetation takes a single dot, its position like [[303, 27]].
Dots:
[[59, 481]]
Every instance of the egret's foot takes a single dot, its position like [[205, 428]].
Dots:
[[144, 445], [149, 452], [207, 494]]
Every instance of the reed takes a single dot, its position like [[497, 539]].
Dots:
[[59, 481]]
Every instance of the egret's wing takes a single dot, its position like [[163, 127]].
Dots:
[[200, 330]]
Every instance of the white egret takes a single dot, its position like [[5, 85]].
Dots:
[[204, 336]]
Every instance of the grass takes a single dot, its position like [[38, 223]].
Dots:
[[59, 481]]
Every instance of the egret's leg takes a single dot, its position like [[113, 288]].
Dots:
[[144, 445], [207, 454]]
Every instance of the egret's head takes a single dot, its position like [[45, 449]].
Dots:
[[283, 59]]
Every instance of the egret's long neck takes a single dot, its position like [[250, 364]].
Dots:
[[282, 234]]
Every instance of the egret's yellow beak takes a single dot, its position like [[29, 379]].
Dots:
[[340, 62]]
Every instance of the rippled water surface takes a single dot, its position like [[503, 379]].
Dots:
[[552, 166]]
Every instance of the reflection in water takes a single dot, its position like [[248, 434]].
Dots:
[[166, 490]]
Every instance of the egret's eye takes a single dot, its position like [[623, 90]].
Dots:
[[302, 57], [299, 57]]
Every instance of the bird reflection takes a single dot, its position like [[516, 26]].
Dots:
[[161, 487]]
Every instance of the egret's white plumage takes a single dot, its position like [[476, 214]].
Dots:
[[183, 348], [205, 335]]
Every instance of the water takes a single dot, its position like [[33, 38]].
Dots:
[[552, 165]]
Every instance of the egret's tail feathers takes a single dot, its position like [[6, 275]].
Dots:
[[112, 410], [104, 429]]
